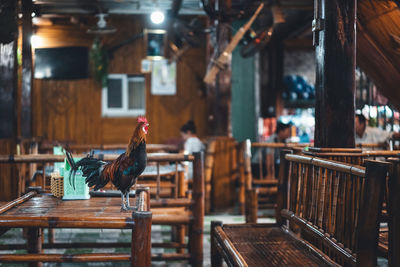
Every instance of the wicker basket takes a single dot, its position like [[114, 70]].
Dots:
[[57, 184]]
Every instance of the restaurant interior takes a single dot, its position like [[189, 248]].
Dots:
[[199, 133]]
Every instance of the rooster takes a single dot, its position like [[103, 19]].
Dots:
[[122, 172]]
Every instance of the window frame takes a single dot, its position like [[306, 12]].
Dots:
[[123, 111]]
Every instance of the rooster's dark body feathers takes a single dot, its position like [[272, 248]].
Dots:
[[122, 172]]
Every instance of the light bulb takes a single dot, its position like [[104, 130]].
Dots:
[[36, 41], [157, 17]]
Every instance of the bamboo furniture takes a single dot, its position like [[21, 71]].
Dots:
[[355, 156], [35, 211], [185, 212], [259, 191], [181, 210], [221, 173], [81, 148], [334, 207]]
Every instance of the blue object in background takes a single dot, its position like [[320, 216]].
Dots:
[[296, 87]]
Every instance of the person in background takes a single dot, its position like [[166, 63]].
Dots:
[[270, 156], [283, 132], [191, 144], [371, 135]]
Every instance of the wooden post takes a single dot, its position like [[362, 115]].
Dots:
[[335, 40], [281, 198], [394, 214], [181, 229], [272, 84], [8, 70], [242, 188], [26, 88], [34, 244], [8, 93], [209, 165], [251, 205], [216, 259], [247, 165], [141, 232], [367, 241], [196, 228], [219, 94]]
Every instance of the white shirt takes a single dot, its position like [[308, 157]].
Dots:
[[373, 135], [192, 145]]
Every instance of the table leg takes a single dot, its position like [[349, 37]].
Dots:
[[51, 235], [35, 243], [141, 239]]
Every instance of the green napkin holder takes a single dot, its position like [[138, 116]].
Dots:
[[81, 190]]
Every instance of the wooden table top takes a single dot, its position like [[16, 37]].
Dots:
[[48, 211]]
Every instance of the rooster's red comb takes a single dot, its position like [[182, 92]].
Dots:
[[142, 119]]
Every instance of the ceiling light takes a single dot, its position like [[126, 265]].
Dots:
[[36, 41], [157, 17]]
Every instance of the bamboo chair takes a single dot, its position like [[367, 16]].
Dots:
[[356, 156], [334, 205], [222, 173], [261, 190]]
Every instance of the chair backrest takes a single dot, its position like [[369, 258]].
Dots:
[[352, 156], [265, 153], [336, 205], [225, 171]]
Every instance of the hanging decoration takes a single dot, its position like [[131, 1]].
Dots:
[[99, 62]]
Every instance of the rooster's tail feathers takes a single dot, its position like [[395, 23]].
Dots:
[[92, 169], [71, 163]]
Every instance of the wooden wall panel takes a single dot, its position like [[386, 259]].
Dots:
[[8, 173], [67, 110], [71, 110]]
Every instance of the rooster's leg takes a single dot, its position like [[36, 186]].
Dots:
[[123, 206], [128, 206]]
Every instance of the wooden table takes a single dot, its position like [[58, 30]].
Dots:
[[36, 211]]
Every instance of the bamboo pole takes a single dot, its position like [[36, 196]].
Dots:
[[196, 227]]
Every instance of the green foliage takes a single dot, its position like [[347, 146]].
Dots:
[[373, 122], [99, 62]]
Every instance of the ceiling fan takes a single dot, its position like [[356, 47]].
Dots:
[[101, 26]]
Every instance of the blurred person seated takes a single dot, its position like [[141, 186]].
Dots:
[[270, 156], [191, 144], [371, 135]]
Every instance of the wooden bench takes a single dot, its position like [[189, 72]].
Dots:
[[332, 210], [35, 211], [180, 210]]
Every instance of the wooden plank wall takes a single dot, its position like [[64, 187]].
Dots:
[[8, 172], [71, 109]]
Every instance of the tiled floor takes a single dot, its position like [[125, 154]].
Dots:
[[159, 233]]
